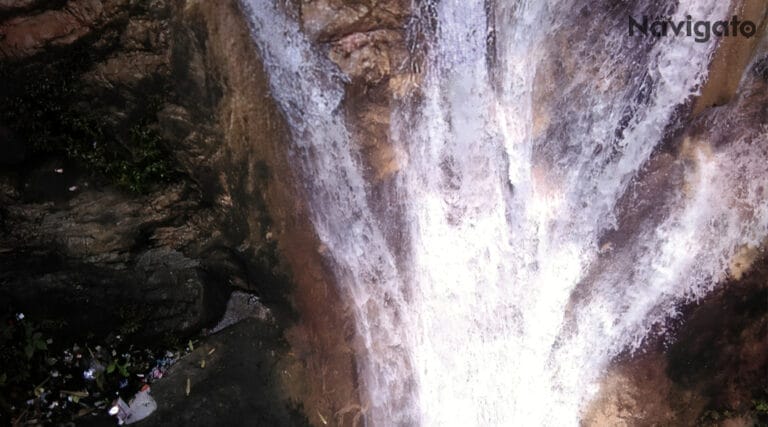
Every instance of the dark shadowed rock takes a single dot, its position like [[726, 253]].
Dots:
[[239, 384], [12, 149]]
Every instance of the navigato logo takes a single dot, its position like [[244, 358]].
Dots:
[[701, 31]]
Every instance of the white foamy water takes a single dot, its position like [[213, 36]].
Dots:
[[508, 307]]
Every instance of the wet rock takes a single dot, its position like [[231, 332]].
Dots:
[[733, 56], [370, 57], [367, 41], [641, 394], [721, 350], [712, 373], [325, 20], [711, 368]]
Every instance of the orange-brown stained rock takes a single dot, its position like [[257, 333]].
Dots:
[[371, 56], [732, 57], [366, 40], [321, 371]]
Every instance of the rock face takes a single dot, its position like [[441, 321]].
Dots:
[[179, 246], [326, 20], [366, 40], [160, 261], [27, 35], [179, 78], [712, 373], [91, 251]]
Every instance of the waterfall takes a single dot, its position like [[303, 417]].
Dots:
[[526, 153], [309, 90]]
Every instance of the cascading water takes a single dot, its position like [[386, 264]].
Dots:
[[309, 91], [536, 120]]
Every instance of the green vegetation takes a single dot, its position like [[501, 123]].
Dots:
[[46, 105], [760, 408], [22, 344], [758, 412], [711, 417], [58, 381]]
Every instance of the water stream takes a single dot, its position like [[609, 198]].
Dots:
[[525, 274]]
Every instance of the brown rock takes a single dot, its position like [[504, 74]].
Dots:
[[16, 5], [244, 151], [129, 68], [715, 365], [640, 394], [732, 57], [26, 35], [371, 56], [326, 20]]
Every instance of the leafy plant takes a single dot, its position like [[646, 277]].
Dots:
[[34, 341], [761, 406], [122, 369], [712, 416], [22, 349]]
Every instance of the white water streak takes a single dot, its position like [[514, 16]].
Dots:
[[309, 90]]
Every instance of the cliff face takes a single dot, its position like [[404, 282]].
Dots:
[[110, 196], [145, 175], [148, 175]]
